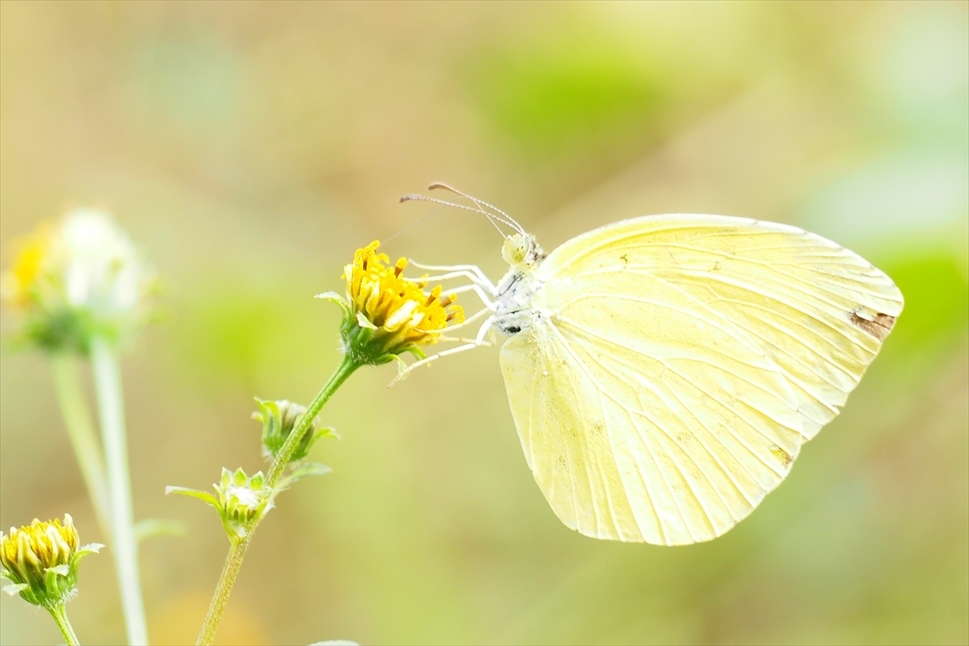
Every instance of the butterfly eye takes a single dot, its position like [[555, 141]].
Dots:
[[515, 249]]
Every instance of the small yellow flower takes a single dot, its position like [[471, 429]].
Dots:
[[17, 284], [78, 278], [386, 314], [41, 560]]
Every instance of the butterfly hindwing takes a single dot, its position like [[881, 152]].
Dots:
[[648, 438]]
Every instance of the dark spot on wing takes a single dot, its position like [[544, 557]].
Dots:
[[878, 328], [782, 455]]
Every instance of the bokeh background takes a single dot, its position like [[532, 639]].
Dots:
[[249, 148]]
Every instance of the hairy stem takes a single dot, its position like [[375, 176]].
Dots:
[[305, 423], [59, 613], [233, 561], [230, 570], [84, 439], [107, 382]]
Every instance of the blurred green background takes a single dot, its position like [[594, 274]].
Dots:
[[250, 148]]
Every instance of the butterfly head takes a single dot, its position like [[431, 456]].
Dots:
[[521, 251]]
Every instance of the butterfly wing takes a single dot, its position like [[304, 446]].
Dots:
[[677, 364]]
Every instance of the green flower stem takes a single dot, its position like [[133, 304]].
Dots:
[[344, 370], [233, 561], [59, 613], [80, 430], [230, 570], [107, 382]]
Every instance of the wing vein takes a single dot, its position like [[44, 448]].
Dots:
[[659, 519], [618, 358]]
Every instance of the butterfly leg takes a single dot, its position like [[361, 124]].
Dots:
[[479, 283], [471, 272], [479, 339], [469, 344], [406, 371], [471, 319], [484, 296], [473, 280]]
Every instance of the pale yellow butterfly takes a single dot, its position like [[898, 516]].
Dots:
[[664, 371]]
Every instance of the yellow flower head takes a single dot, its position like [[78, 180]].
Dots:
[[387, 314], [41, 560]]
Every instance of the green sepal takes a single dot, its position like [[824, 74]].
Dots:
[[356, 334], [333, 297], [84, 550], [90, 548], [13, 589], [365, 323], [56, 578], [64, 329]]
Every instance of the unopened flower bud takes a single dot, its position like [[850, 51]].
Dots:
[[240, 500], [278, 420]]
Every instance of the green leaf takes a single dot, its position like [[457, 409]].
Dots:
[[152, 527], [204, 496]]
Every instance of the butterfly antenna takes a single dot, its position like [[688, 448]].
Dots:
[[498, 214], [412, 225], [423, 198]]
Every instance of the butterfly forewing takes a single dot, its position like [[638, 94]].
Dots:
[[819, 311]]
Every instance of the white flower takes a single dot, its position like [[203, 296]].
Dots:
[[101, 267], [80, 277]]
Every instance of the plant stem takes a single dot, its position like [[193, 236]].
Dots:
[[230, 570], [59, 613], [233, 561], [80, 430], [344, 370], [107, 382]]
